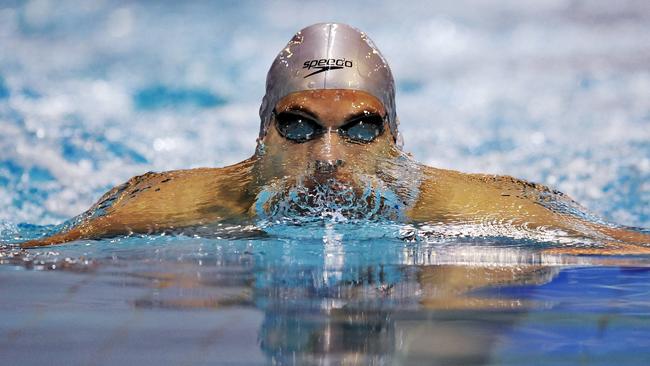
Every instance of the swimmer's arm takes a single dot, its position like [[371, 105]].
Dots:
[[93, 229], [452, 197], [528, 198], [160, 202], [99, 220]]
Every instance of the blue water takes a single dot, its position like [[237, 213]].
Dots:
[[92, 93], [323, 298]]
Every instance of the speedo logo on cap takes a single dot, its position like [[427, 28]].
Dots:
[[326, 64]]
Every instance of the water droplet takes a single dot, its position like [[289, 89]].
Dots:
[[260, 150]]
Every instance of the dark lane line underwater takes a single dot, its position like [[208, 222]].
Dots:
[[330, 245]]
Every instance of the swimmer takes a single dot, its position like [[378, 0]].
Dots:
[[329, 146]]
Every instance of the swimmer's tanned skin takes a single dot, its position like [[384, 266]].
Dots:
[[328, 119]]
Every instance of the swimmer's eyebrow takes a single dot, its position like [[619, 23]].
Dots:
[[354, 116], [305, 112]]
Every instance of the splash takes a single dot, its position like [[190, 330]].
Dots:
[[360, 197], [329, 201]]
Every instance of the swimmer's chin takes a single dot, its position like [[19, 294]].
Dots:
[[323, 196]]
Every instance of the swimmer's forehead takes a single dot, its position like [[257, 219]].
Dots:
[[346, 102]]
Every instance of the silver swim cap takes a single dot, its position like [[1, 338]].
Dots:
[[329, 56]]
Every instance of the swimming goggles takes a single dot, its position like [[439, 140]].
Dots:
[[299, 127]]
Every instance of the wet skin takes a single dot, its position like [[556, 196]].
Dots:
[[177, 201]]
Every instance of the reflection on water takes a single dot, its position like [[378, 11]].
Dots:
[[320, 298]]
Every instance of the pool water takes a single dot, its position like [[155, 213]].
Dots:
[[92, 93], [333, 297]]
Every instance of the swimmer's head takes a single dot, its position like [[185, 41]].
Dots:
[[330, 56]]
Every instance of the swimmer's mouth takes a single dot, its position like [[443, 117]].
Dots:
[[327, 167]]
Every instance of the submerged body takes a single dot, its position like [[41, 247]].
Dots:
[[329, 147]]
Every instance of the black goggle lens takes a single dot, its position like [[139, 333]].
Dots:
[[364, 129], [296, 127]]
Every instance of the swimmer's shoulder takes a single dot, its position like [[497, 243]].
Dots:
[[449, 193], [435, 192], [509, 186], [166, 201], [182, 190], [506, 184]]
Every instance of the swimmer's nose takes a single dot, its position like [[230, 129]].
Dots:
[[327, 166], [328, 148]]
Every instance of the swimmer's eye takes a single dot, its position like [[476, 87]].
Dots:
[[363, 129], [296, 127]]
